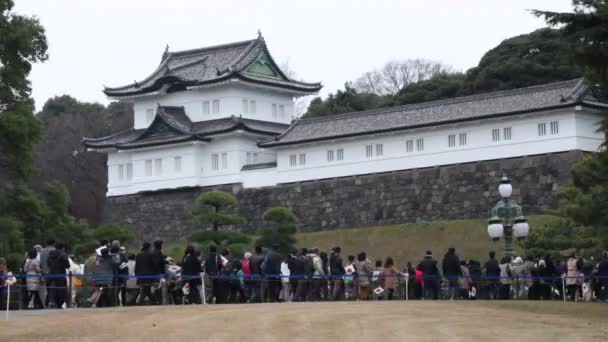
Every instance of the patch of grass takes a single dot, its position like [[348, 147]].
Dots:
[[408, 242], [403, 242]]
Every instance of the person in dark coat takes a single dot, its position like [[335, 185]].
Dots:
[[475, 272], [223, 283], [336, 270], [121, 273], [145, 267], [191, 272], [255, 263], [602, 272], [58, 264], [452, 271], [300, 272], [103, 275], [492, 273], [271, 268], [213, 268], [291, 260], [428, 266]]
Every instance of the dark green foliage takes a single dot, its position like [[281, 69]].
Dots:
[[585, 29], [282, 229], [235, 242], [536, 58], [62, 157], [437, 88], [11, 231], [585, 227], [219, 237], [113, 232], [539, 57], [218, 201], [22, 42], [563, 238], [344, 101]]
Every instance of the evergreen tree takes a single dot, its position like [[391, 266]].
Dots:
[[282, 229], [586, 31], [22, 42], [216, 217]]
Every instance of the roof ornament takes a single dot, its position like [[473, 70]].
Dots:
[[136, 84], [259, 34], [166, 53]]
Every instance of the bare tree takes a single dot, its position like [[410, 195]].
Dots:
[[301, 103], [395, 75]]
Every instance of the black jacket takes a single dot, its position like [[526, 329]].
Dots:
[[158, 259], [272, 263], [492, 268], [213, 265], [191, 265], [58, 262], [475, 269], [602, 269], [299, 266], [191, 269], [255, 263], [451, 265], [335, 264], [428, 265], [144, 265]]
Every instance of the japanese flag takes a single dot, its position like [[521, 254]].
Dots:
[[350, 269]]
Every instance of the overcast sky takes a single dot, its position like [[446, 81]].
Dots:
[[114, 42]]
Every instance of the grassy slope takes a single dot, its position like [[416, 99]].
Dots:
[[408, 242], [403, 242]]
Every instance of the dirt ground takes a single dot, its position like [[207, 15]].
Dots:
[[344, 321]]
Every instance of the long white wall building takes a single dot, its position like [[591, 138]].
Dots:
[[224, 114]]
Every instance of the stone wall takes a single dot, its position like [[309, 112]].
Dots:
[[447, 192]]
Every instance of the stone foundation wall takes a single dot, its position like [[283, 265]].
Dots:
[[447, 192]]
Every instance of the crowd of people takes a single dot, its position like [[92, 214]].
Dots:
[[112, 277]]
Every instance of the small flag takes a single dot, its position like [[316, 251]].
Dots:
[[378, 290], [350, 269]]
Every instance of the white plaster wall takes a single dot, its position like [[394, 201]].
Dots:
[[196, 164], [170, 178], [577, 130], [588, 136], [524, 141], [231, 103]]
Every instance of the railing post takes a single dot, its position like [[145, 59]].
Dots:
[[69, 290], [203, 288], [163, 291], [8, 299], [564, 286]]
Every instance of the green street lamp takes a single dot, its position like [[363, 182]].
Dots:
[[507, 220]]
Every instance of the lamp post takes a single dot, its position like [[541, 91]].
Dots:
[[507, 220]]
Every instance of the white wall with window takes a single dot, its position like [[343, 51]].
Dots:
[[432, 146], [136, 170], [219, 102]]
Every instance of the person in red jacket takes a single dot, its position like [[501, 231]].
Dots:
[[418, 283], [246, 268]]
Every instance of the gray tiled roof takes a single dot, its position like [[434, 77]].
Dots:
[[209, 65], [172, 125], [508, 102]]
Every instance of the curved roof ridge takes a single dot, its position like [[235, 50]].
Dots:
[[128, 130], [245, 52], [162, 66], [208, 48], [454, 100]]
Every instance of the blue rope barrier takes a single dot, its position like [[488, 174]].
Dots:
[[295, 276]]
